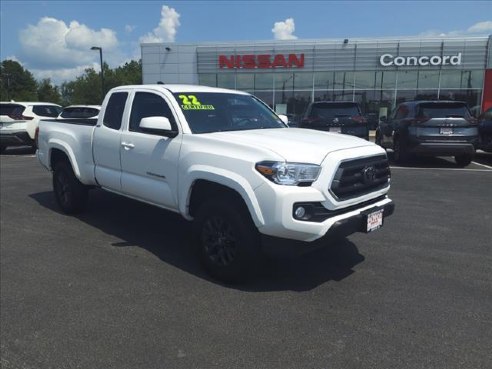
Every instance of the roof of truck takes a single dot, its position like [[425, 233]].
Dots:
[[176, 88]]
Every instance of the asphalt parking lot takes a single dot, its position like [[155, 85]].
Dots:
[[119, 287]]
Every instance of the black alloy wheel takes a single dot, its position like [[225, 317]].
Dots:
[[219, 241], [70, 194], [226, 239]]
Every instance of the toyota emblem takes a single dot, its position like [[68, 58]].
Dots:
[[369, 175]]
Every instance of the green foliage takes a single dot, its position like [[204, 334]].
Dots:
[[87, 88], [17, 83], [47, 92]]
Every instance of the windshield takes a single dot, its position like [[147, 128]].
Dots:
[[216, 112]]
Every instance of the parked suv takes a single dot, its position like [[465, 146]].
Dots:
[[485, 131], [19, 120], [336, 116], [434, 128]]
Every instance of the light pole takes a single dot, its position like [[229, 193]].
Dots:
[[102, 69]]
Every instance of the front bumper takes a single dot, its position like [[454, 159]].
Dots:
[[340, 229]]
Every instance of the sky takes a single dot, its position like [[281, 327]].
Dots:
[[53, 39]]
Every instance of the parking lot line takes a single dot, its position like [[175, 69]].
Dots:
[[450, 169], [482, 165]]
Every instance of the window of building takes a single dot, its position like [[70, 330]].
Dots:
[[323, 80], [303, 81], [365, 80], [245, 81], [226, 80], [407, 79], [284, 81], [114, 110], [344, 81], [264, 81], [428, 79], [208, 80]]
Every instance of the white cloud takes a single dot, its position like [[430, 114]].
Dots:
[[284, 30], [167, 29], [60, 75], [480, 28], [53, 49], [129, 28]]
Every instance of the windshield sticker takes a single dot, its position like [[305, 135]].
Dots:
[[190, 102]]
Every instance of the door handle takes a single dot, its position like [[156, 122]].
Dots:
[[127, 146]]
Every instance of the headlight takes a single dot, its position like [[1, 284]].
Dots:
[[290, 174]]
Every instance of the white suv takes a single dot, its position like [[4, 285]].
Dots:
[[19, 120]]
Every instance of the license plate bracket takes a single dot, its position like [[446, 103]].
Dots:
[[446, 131], [374, 219]]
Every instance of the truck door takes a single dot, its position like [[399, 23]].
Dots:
[[107, 143], [149, 162]]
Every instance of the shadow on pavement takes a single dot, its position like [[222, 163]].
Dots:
[[442, 161], [167, 235], [21, 150]]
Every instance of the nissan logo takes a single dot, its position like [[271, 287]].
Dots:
[[369, 175]]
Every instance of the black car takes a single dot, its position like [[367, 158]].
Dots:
[[485, 131], [433, 128], [336, 116]]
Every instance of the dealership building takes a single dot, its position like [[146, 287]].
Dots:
[[377, 73]]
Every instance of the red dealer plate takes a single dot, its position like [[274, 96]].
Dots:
[[374, 220]]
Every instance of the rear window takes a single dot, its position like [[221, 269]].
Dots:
[[7, 109], [79, 112], [327, 110], [51, 111], [436, 110]]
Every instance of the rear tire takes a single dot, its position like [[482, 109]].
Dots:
[[378, 140], [400, 153], [463, 160], [70, 194], [227, 240]]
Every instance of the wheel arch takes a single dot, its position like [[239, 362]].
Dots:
[[206, 184]]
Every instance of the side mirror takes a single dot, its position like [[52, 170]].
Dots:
[[284, 118], [158, 125], [383, 118]]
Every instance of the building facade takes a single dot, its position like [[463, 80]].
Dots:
[[376, 73]]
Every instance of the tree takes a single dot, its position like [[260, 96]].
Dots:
[[17, 83], [47, 92], [86, 89]]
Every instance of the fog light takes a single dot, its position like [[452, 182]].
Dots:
[[300, 212]]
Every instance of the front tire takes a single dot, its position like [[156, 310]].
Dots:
[[70, 194], [463, 160], [227, 240]]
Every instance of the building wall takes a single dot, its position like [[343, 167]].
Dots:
[[333, 70]]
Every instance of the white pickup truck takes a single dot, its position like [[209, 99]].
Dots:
[[224, 160]]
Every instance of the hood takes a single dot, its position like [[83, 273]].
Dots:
[[294, 144]]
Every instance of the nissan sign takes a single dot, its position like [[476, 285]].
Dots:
[[263, 61], [388, 60]]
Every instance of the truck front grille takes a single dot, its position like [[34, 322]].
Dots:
[[358, 177]]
